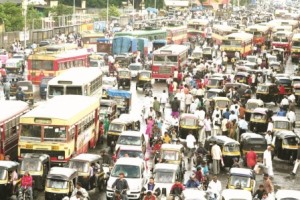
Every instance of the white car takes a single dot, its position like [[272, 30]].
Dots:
[[287, 195], [132, 138], [135, 173], [234, 194]]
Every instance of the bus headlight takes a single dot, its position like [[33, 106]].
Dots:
[[60, 157]]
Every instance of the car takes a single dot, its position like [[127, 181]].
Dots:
[[233, 194], [132, 138], [134, 170], [101, 64], [287, 195], [131, 151]]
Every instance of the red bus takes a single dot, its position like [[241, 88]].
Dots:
[[260, 33], [168, 59], [54, 59], [176, 34], [282, 39], [10, 113]]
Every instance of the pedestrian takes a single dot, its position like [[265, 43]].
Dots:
[[156, 106], [292, 117], [215, 187], [188, 102], [216, 157], [207, 126], [297, 161], [268, 185], [175, 106], [251, 158], [6, 89], [224, 127], [150, 123], [20, 94], [269, 138], [267, 156], [259, 192], [163, 101], [243, 125], [216, 125]]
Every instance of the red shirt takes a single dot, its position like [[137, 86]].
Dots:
[[177, 186], [152, 197], [251, 159], [171, 88], [26, 181], [250, 80], [199, 176], [281, 90]]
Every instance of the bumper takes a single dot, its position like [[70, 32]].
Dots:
[[54, 196], [130, 194]]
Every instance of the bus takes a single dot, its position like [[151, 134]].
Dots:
[[61, 128], [168, 59], [86, 81], [295, 47], [281, 22], [148, 34], [89, 40], [282, 28], [237, 42], [197, 24], [53, 60], [219, 31], [261, 34], [176, 34], [10, 113], [193, 34], [282, 39]]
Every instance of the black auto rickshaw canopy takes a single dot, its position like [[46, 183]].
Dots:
[[61, 173]]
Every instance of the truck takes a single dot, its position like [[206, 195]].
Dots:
[[143, 46], [124, 45]]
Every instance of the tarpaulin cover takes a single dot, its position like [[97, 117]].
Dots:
[[119, 93]]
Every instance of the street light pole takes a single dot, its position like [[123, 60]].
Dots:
[[133, 13], [74, 18], [25, 21], [107, 3]]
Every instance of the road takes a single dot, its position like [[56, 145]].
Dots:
[[282, 180]]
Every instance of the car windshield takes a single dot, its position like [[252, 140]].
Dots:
[[3, 174], [282, 125], [251, 106], [130, 171], [116, 127], [222, 103], [31, 165], [251, 59], [188, 122], [56, 184], [170, 155], [262, 88], [79, 166], [135, 67], [164, 176], [258, 116], [108, 82], [244, 182], [131, 153], [129, 140]]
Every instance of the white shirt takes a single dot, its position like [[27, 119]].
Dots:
[[215, 187], [216, 152], [232, 117], [267, 158], [291, 116], [207, 124], [270, 127], [284, 102], [215, 113], [164, 98], [75, 198], [292, 98], [193, 107], [188, 99], [243, 124], [223, 125], [268, 138], [190, 141]]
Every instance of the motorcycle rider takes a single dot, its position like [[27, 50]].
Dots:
[[26, 184], [149, 196], [121, 185], [150, 187], [192, 182], [177, 189], [79, 188]]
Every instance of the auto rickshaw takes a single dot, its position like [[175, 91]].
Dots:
[[13, 80], [108, 82], [38, 166], [229, 194], [276, 66], [268, 92], [286, 82], [227, 86], [221, 102], [116, 127], [251, 105], [255, 141], [144, 79], [27, 88], [215, 82], [230, 148], [124, 78], [259, 119], [60, 183], [188, 123], [295, 80], [281, 123], [279, 53], [211, 93], [108, 108], [297, 93], [241, 77], [207, 53], [84, 163], [173, 153], [136, 120], [6, 187], [286, 145], [123, 60], [123, 99], [241, 178]]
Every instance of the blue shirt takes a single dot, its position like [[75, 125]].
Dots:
[[192, 184], [281, 113], [226, 115], [151, 187]]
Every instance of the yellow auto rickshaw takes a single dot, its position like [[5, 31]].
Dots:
[[259, 119], [241, 178], [188, 123], [251, 105], [281, 124], [286, 145], [144, 79], [7, 168], [215, 82], [173, 153], [221, 102], [27, 88], [255, 141], [230, 148]]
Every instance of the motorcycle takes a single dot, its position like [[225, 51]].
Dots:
[[24, 194]]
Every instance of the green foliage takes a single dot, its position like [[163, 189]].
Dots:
[[34, 18], [60, 10], [12, 16], [112, 11], [151, 3], [93, 3]]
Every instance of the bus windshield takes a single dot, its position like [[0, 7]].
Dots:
[[74, 90], [56, 184], [54, 133], [296, 43], [55, 90], [257, 34], [31, 132], [31, 165], [235, 43]]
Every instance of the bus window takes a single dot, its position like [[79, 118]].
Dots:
[[284, 40], [172, 59], [56, 90], [31, 131], [73, 90], [54, 133], [159, 59], [276, 39], [257, 34]]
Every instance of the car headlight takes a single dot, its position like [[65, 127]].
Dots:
[[60, 157]]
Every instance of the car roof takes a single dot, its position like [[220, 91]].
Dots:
[[86, 157], [130, 148], [236, 194], [129, 161], [132, 133], [280, 194], [166, 166]]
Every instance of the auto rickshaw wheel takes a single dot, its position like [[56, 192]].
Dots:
[[101, 185]]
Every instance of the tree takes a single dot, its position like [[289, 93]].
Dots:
[[12, 16], [151, 3], [60, 10], [34, 18], [112, 11], [93, 3]]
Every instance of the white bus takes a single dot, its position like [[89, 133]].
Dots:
[[86, 81]]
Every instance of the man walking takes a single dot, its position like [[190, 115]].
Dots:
[[216, 156], [268, 160]]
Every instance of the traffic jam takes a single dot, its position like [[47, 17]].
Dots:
[[194, 104]]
